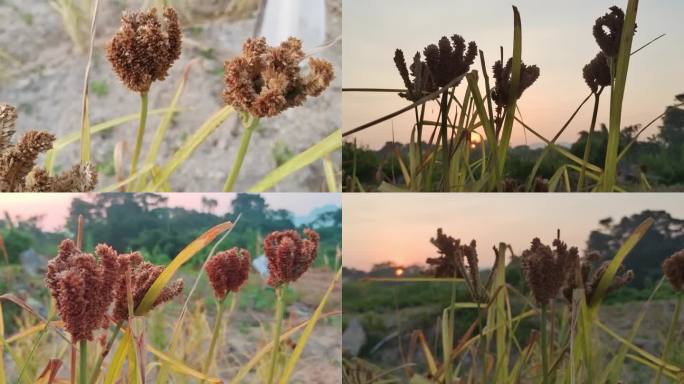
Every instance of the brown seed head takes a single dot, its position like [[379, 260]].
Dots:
[[502, 76], [673, 268], [597, 73], [266, 80], [449, 59], [289, 256], [140, 275], [82, 287], [546, 269], [145, 47], [18, 172], [608, 31], [228, 271]]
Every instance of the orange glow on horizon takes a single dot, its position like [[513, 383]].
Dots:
[[399, 272]]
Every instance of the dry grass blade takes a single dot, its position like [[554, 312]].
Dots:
[[184, 255], [190, 145], [179, 366], [85, 115], [263, 352], [306, 334], [2, 346], [49, 374]]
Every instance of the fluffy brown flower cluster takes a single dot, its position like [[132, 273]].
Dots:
[[18, 172], [673, 268], [144, 47], [589, 278], [546, 269], [443, 62], [265, 80], [289, 256], [228, 271], [84, 289], [608, 31], [597, 73], [142, 275], [502, 76]]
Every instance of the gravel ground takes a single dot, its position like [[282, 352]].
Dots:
[[45, 83]]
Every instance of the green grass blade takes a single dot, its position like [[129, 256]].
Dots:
[[116, 364], [329, 170], [73, 137], [607, 278], [163, 126], [322, 148], [189, 146], [617, 93], [136, 176], [2, 345], [306, 334], [507, 128]]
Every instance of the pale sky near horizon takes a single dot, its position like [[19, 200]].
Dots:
[[556, 37], [398, 226], [55, 206]]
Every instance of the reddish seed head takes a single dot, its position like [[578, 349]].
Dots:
[[228, 271], [82, 287], [673, 267], [142, 276], [289, 256]]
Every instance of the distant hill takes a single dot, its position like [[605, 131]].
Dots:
[[300, 220]]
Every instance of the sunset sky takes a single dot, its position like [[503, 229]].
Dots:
[[55, 206], [398, 227], [556, 37]]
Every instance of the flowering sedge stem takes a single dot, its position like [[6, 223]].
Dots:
[[544, 346], [276, 333], [587, 147], [141, 132], [83, 362], [98, 364], [215, 335], [244, 144], [671, 334]]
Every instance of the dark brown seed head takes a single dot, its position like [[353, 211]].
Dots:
[[583, 275], [502, 76], [265, 81], [289, 256], [82, 287], [18, 172], [547, 269], [597, 73], [673, 268], [139, 275], [145, 47], [608, 31], [228, 271], [449, 59]]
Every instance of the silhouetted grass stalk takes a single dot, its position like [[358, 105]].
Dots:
[[617, 92], [587, 147], [544, 344]]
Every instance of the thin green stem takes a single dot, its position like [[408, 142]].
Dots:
[[215, 335], [98, 364], [444, 136], [587, 147], [83, 362], [544, 346], [276, 333], [671, 334], [242, 151], [141, 132]]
